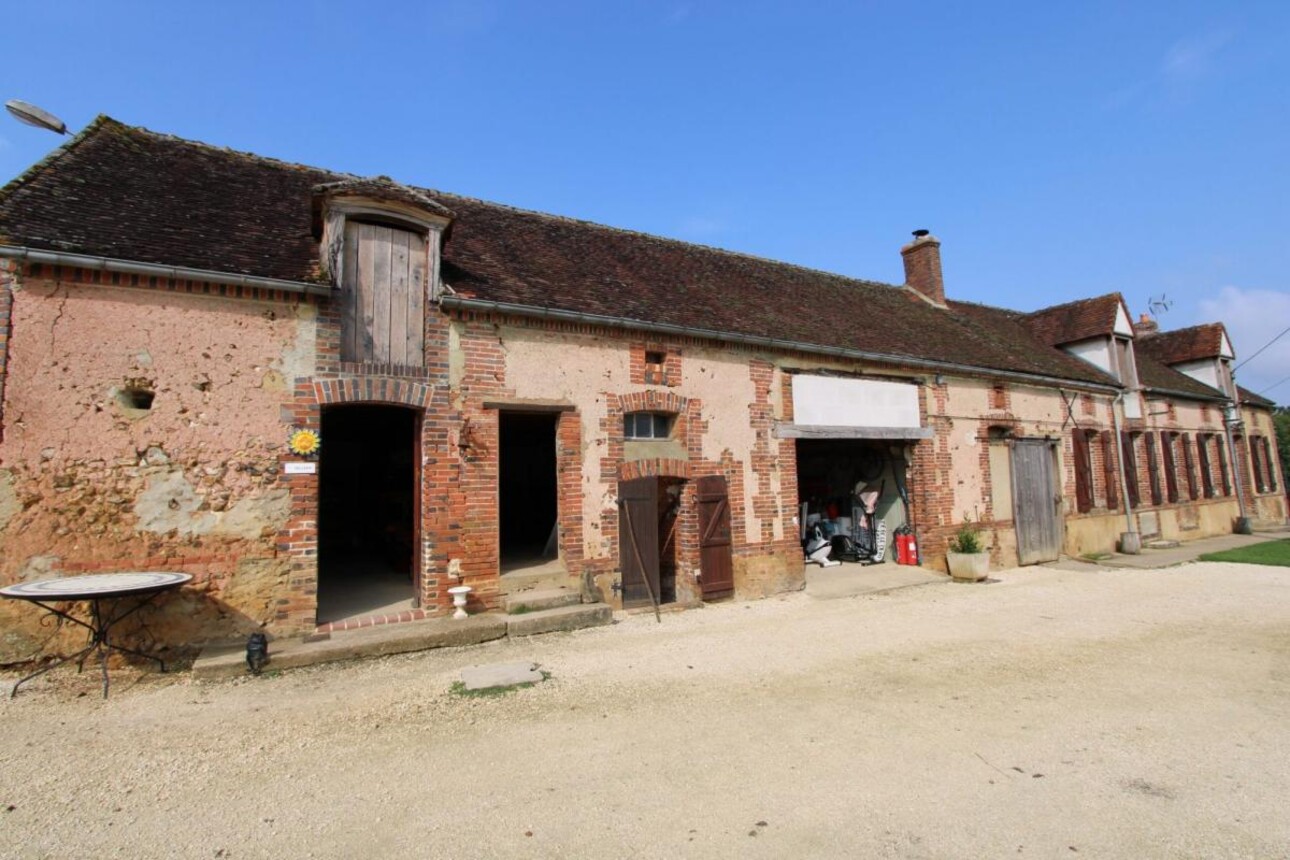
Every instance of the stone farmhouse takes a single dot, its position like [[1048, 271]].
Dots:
[[499, 391]]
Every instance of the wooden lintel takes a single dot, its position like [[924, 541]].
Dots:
[[524, 404], [799, 431]]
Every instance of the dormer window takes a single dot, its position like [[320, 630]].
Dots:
[[380, 249], [647, 425]]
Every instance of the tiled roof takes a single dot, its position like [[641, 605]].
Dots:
[[1157, 376], [131, 194], [1075, 321], [1249, 398], [1185, 344]]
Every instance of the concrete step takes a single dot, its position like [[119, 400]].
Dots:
[[376, 641], [537, 579], [538, 599], [558, 619]]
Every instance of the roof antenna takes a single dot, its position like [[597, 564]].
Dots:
[[1157, 306], [32, 115]]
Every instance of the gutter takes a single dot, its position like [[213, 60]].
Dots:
[[131, 267], [461, 303]]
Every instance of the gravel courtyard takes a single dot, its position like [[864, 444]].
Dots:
[[1053, 713]]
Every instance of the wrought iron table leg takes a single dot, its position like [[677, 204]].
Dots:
[[78, 656]]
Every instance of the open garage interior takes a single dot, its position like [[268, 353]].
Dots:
[[851, 490], [367, 511], [526, 490]]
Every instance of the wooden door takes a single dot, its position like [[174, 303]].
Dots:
[[1036, 502], [718, 575], [638, 541], [382, 299]]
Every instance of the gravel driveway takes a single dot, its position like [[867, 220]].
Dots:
[[1054, 713]]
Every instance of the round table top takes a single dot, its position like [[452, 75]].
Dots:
[[95, 585]]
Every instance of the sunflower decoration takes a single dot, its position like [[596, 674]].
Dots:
[[304, 443]]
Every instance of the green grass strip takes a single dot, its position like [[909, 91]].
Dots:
[[1275, 552]]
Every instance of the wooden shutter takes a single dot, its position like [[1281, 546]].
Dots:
[[638, 541], [1271, 464], [1171, 468], [1256, 457], [1109, 471], [1153, 469], [1083, 472], [1202, 455], [716, 565], [1224, 472], [1193, 489], [382, 300], [1130, 468]]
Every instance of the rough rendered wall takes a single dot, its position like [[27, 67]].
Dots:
[[90, 483], [725, 402]]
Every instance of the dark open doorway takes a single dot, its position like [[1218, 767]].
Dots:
[[367, 511], [526, 489]]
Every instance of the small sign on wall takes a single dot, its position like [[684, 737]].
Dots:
[[300, 468]]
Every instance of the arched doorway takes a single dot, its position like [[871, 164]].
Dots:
[[367, 511]]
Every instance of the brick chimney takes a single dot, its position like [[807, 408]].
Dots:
[[923, 267], [1145, 326]]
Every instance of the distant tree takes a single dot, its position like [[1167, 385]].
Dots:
[[1281, 418]]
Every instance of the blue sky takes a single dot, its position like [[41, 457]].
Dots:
[[1057, 150]]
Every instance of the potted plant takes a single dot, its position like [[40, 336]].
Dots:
[[967, 557]]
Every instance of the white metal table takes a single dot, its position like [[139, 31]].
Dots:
[[95, 589]]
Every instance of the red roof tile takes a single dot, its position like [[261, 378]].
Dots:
[[1078, 320], [1185, 344], [131, 194]]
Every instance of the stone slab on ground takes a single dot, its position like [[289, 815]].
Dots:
[[559, 619], [849, 580], [376, 641], [500, 675]]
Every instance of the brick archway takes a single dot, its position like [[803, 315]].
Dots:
[[373, 389]]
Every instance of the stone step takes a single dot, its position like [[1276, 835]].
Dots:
[[558, 619], [541, 578], [538, 599]]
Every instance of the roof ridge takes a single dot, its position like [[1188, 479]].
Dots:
[[582, 222], [339, 175], [1113, 294], [1164, 332]]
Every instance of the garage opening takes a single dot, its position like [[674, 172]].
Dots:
[[526, 488], [367, 511], [854, 491]]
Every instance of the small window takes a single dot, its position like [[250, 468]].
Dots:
[[647, 425], [655, 367]]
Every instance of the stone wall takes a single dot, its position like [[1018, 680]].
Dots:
[[144, 430]]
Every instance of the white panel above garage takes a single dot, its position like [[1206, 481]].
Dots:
[[864, 405]]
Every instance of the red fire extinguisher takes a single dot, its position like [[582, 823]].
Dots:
[[906, 547]]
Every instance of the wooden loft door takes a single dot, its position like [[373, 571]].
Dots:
[[383, 290]]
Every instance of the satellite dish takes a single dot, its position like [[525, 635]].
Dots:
[[32, 115]]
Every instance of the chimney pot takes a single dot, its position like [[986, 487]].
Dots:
[[1146, 326]]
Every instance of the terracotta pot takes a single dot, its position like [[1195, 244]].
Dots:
[[968, 566]]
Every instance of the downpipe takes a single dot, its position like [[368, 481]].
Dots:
[[1130, 540]]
